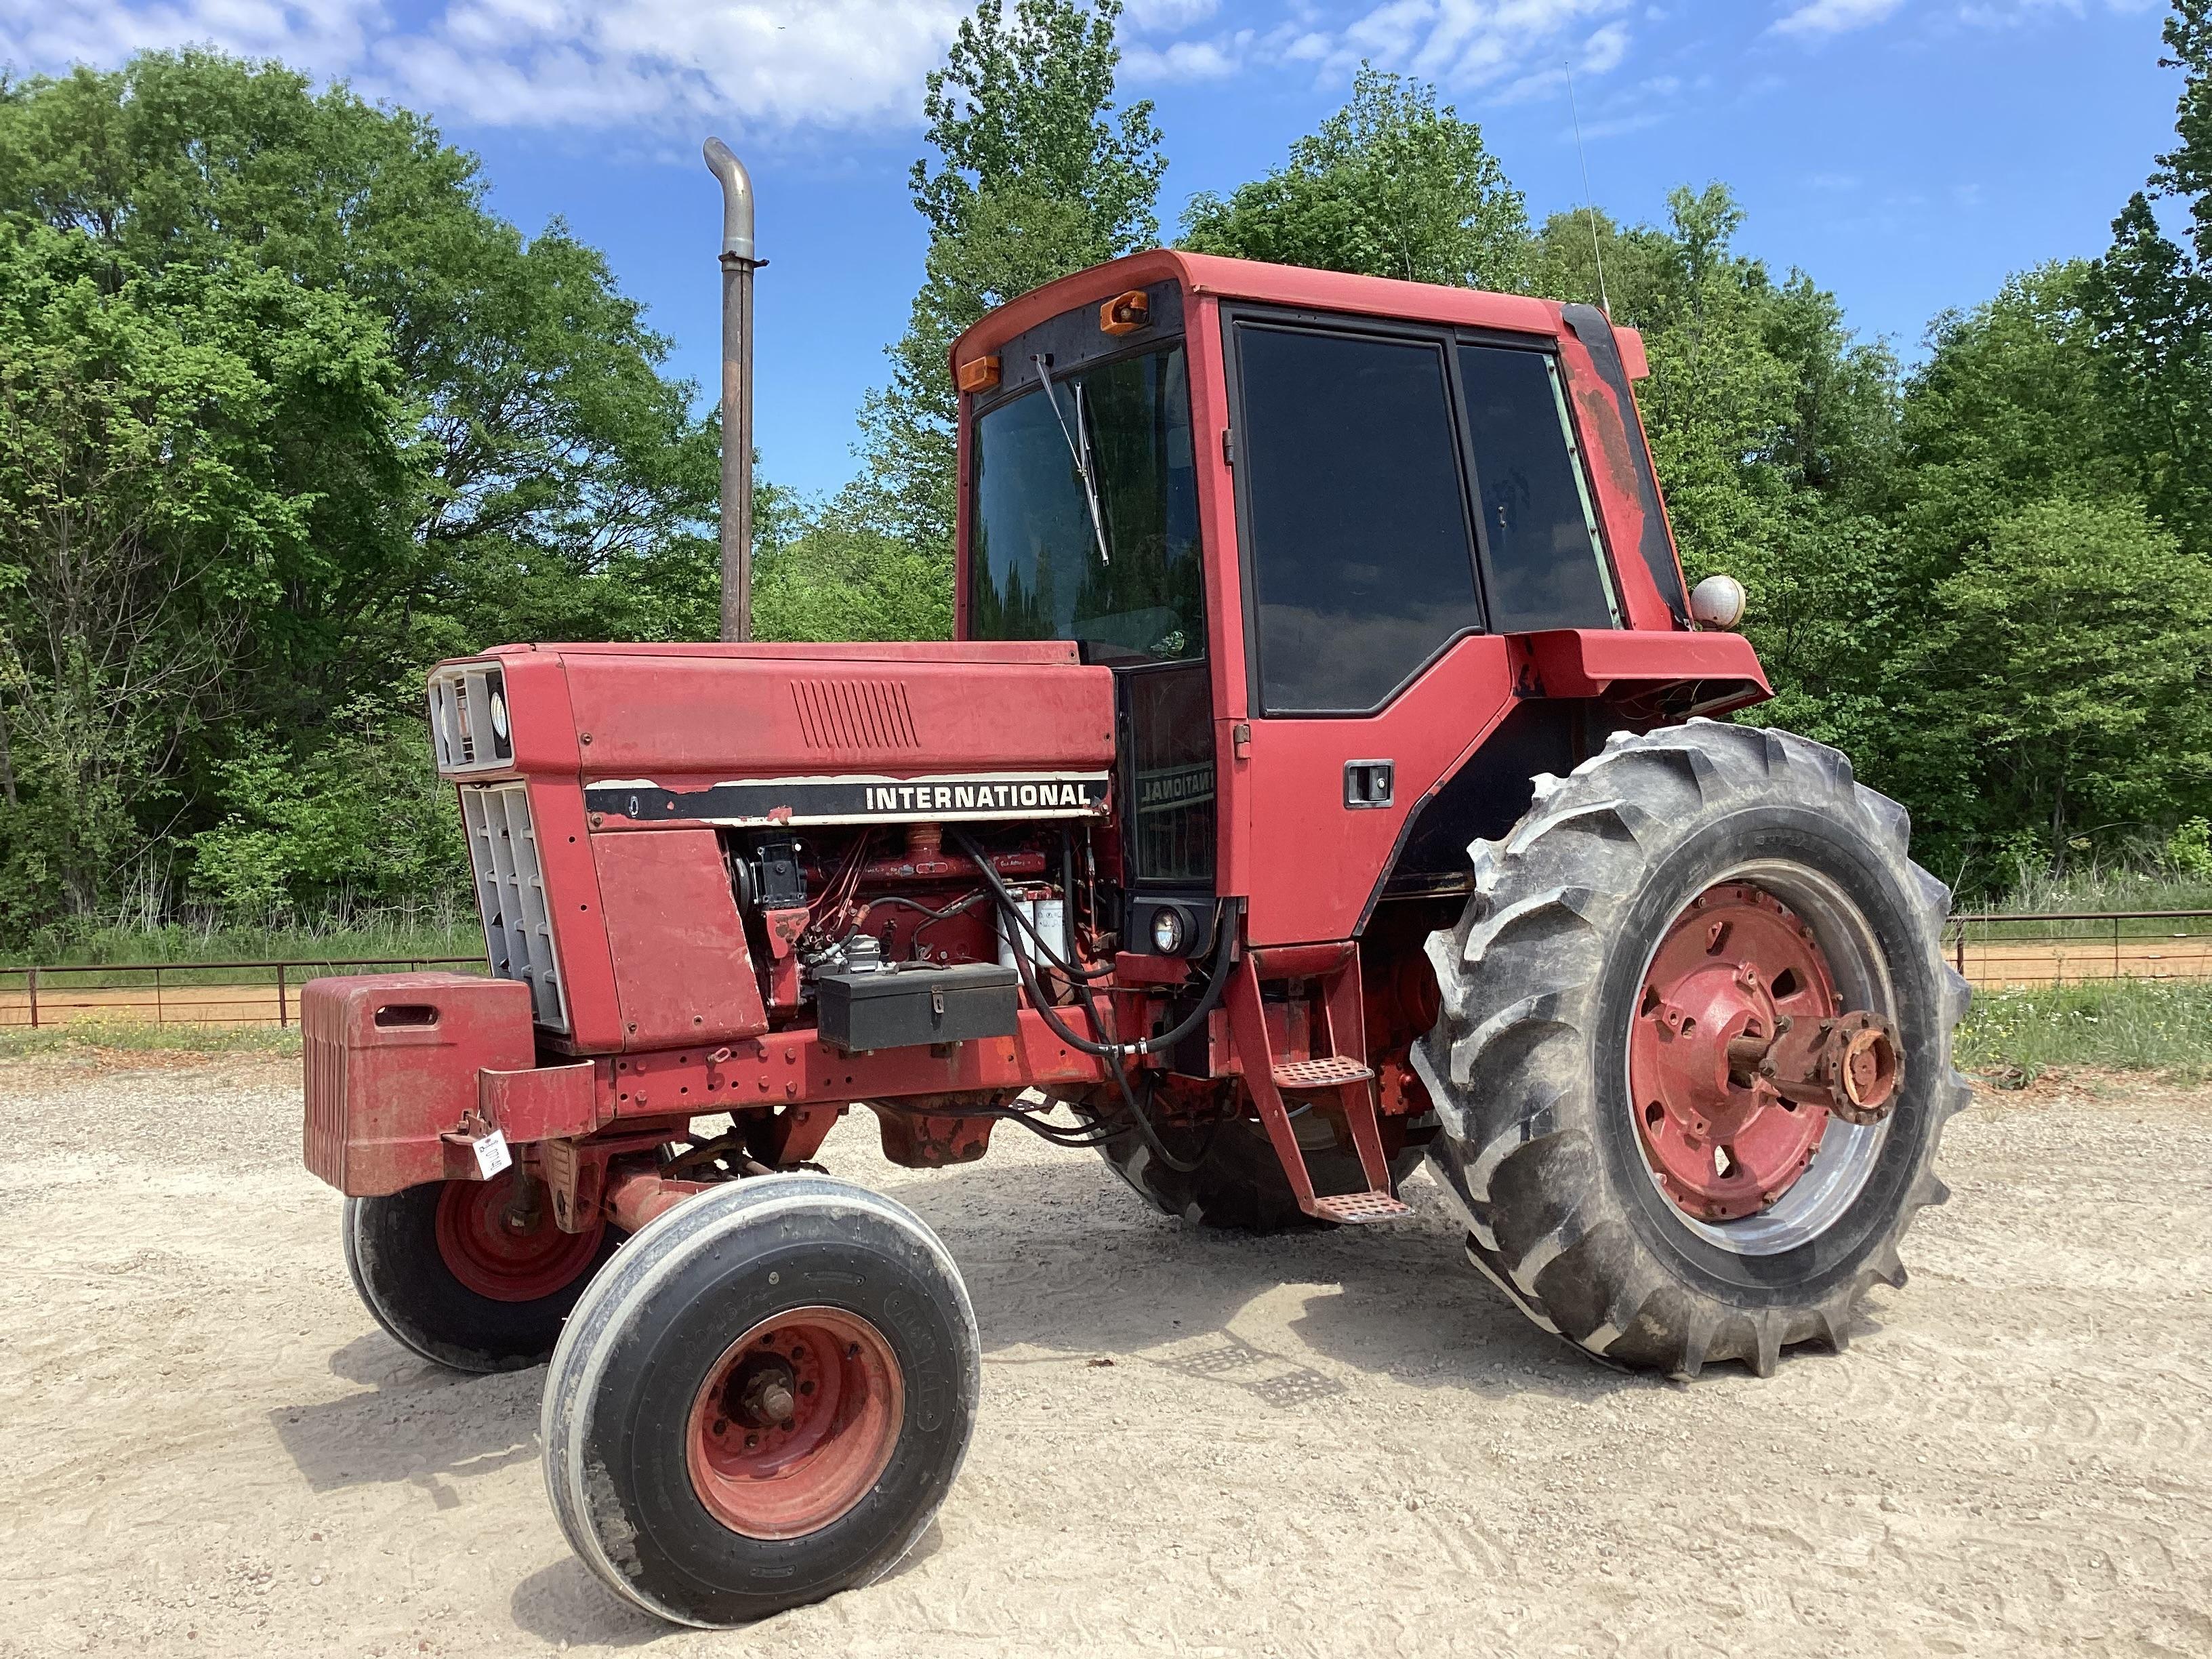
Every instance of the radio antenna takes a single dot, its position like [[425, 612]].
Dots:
[[1589, 202]]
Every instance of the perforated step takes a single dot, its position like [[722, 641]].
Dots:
[[1332, 1071], [1356, 1209]]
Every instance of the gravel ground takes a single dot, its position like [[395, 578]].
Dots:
[[1189, 1444]]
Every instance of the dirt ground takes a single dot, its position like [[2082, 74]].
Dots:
[[1189, 1444]]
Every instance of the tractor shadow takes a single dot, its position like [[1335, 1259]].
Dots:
[[1069, 1262], [413, 1423], [562, 1603]]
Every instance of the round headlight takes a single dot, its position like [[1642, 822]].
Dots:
[[1167, 931], [499, 714]]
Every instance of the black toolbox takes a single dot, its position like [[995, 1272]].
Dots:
[[907, 1007]]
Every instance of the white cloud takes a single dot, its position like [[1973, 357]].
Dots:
[[1604, 50], [753, 66], [1466, 44], [323, 36], [1187, 60], [1824, 17]]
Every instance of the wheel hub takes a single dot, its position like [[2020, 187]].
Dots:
[[1742, 1052], [795, 1423], [498, 1237]]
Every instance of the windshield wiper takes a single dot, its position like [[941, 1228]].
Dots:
[[1078, 448]]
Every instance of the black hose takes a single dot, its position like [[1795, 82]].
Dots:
[[1217, 982], [1138, 1114], [1017, 918], [1217, 979], [1081, 1135]]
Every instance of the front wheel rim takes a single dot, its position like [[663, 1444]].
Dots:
[[500, 1240], [1797, 1167], [795, 1423]]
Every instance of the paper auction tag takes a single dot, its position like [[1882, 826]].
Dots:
[[492, 1155]]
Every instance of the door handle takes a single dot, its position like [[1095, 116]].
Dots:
[[1368, 783]]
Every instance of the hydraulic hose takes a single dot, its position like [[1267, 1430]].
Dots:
[[1217, 982], [1217, 977]]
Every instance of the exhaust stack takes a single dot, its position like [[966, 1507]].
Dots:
[[737, 267]]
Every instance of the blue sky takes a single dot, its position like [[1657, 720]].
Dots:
[[1908, 153]]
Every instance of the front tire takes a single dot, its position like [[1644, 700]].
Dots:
[[1582, 1204], [764, 1399], [457, 1272]]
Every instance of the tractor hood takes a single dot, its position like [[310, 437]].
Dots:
[[774, 734]]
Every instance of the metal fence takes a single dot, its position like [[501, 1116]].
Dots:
[[1995, 949], [180, 993]]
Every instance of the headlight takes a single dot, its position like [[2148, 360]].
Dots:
[[1167, 930]]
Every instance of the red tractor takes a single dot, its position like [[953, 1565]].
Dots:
[[1319, 778]]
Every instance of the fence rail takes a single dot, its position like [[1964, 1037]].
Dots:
[[1992, 949], [1998, 949], [42, 994]]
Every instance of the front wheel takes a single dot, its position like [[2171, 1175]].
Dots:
[[764, 1399], [471, 1274], [1695, 1052]]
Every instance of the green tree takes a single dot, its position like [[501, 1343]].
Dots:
[[2010, 406], [1036, 174], [2069, 659], [1392, 184], [358, 821], [2150, 299], [162, 444], [323, 417]]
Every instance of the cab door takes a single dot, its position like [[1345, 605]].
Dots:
[[1407, 496]]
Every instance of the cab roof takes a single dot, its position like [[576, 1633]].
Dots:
[[1210, 276]]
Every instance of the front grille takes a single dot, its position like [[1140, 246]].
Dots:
[[511, 893], [469, 717]]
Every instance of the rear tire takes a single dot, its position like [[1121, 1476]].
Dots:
[[1239, 1182], [1544, 979], [764, 1399], [441, 1283]]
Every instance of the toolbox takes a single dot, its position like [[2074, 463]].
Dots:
[[905, 1006]]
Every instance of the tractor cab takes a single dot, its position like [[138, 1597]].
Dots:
[[1317, 525]]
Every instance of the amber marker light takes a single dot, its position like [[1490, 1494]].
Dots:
[[1125, 313], [978, 375]]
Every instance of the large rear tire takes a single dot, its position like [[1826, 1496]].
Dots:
[[764, 1399], [1619, 1220], [458, 1273], [1239, 1182]]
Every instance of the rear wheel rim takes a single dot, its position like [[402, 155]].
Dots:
[[1740, 1167], [795, 1423], [506, 1248]]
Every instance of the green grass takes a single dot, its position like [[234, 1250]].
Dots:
[[142, 1036], [2152, 1025], [399, 937]]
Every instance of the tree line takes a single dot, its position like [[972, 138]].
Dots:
[[286, 413]]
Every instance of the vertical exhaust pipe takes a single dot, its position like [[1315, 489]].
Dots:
[[737, 267]]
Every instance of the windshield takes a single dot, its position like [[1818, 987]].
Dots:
[[1035, 568]]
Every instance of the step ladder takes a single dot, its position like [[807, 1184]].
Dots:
[[1343, 1072]]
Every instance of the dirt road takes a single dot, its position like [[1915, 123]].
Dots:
[[1344, 1444]]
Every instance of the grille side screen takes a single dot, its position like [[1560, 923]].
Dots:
[[511, 894]]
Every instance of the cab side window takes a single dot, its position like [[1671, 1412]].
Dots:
[[1547, 566]]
